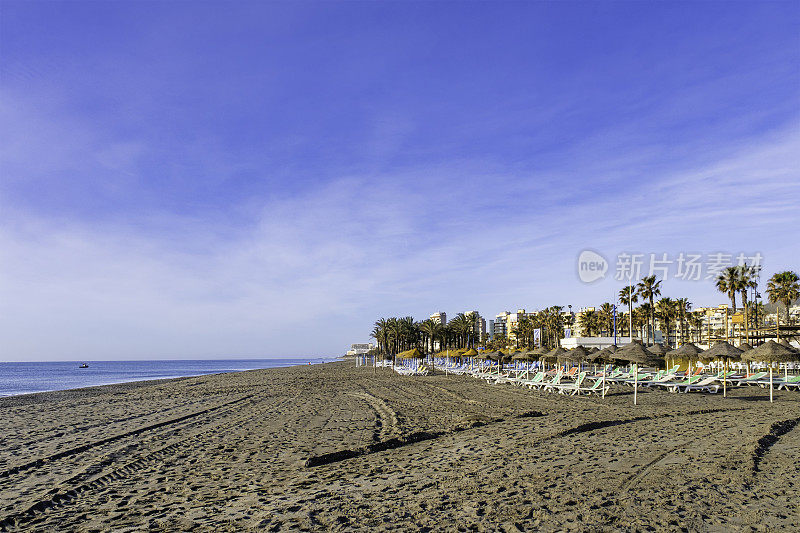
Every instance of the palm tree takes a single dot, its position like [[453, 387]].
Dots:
[[524, 331], [429, 329], [641, 318], [682, 307], [748, 279], [696, 320], [606, 318], [589, 322], [784, 287], [648, 289], [728, 283], [555, 323], [381, 334], [471, 327], [665, 308], [628, 296]]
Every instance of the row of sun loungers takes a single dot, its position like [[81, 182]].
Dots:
[[574, 382]]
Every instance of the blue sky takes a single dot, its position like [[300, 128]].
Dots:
[[266, 179]]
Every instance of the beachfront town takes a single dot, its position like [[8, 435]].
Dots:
[[748, 317]]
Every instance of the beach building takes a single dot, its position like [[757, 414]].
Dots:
[[500, 324], [440, 317], [512, 319], [480, 326], [360, 348], [592, 342]]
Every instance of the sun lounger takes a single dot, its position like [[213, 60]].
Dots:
[[792, 383], [596, 388], [674, 386], [536, 379], [570, 388], [554, 381], [710, 384], [663, 378], [751, 379]]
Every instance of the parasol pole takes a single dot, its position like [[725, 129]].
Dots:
[[604, 381], [725, 367], [635, 381], [770, 382]]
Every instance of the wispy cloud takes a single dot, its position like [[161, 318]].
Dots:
[[274, 189]]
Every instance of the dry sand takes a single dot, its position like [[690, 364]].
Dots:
[[333, 447]]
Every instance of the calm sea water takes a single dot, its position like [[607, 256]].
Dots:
[[25, 378]]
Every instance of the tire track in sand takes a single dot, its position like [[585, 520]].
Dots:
[[387, 426], [63, 496], [94, 444]]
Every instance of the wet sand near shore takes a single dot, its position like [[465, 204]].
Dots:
[[333, 447]]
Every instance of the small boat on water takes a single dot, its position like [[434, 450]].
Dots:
[[84, 365]]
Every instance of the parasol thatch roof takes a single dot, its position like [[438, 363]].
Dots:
[[472, 352], [410, 354], [636, 353], [784, 342], [575, 355], [555, 352], [688, 350], [657, 349], [606, 354], [771, 352], [721, 350], [523, 356]]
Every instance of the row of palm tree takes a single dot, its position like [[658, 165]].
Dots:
[[675, 315], [395, 335]]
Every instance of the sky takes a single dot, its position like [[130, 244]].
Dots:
[[266, 179]]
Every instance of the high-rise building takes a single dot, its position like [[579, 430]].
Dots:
[[501, 324], [439, 317], [512, 319]]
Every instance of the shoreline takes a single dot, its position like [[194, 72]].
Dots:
[[149, 379], [333, 446]]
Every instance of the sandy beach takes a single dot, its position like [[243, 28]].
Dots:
[[333, 447]]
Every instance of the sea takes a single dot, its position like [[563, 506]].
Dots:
[[26, 378]]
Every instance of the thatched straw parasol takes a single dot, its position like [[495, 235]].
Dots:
[[636, 354], [657, 349], [605, 355], [726, 352], [771, 352], [472, 352], [410, 354], [721, 351], [784, 342], [483, 356], [576, 355], [555, 352], [688, 350], [523, 356]]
